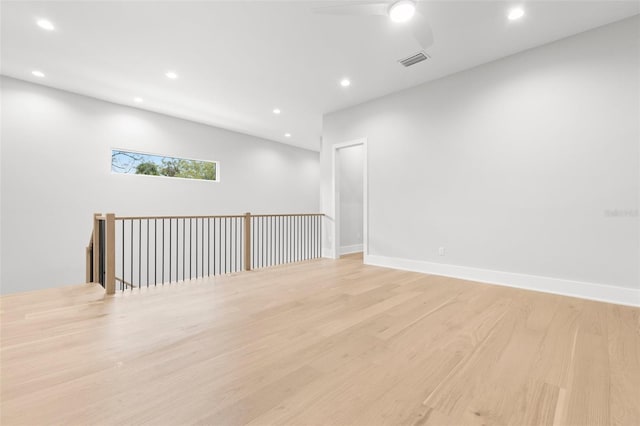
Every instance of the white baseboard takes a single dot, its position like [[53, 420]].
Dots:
[[583, 290], [357, 248], [328, 253]]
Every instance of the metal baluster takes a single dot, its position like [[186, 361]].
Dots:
[[123, 266], [155, 252], [289, 240], [295, 238], [281, 238], [268, 219], [300, 242], [226, 254], [184, 246], [237, 245], [267, 240], [131, 221], [202, 263], [196, 247], [139, 254], [264, 240], [309, 237], [147, 220], [240, 251], [299, 235], [231, 245], [319, 236]]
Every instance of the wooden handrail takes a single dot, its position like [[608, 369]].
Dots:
[[176, 217], [237, 216], [288, 214]]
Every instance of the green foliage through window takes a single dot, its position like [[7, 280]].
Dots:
[[130, 162]]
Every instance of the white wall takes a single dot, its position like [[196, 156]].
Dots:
[[56, 173], [350, 165], [517, 168]]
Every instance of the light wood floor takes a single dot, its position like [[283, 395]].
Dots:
[[318, 343]]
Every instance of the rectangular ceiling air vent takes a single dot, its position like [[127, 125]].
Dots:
[[414, 59]]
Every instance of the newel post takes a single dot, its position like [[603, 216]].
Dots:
[[89, 262], [96, 250], [110, 253], [247, 241]]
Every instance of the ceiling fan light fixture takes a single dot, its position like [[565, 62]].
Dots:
[[402, 10]]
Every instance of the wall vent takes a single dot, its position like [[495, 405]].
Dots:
[[414, 59]]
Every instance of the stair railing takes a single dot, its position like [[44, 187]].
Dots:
[[128, 252]]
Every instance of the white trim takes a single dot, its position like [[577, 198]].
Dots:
[[356, 248], [583, 290], [328, 253], [336, 202]]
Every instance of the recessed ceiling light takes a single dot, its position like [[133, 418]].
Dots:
[[402, 11], [45, 25], [287, 135], [515, 13], [276, 111], [38, 73], [172, 75], [345, 82], [138, 99]]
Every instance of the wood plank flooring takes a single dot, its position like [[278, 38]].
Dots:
[[322, 342]]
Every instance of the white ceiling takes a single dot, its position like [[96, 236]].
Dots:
[[237, 61]]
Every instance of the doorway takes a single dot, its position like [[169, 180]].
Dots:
[[350, 199]]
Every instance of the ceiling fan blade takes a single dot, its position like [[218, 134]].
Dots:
[[380, 8], [422, 30]]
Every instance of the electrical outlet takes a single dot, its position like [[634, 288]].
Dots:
[[441, 251]]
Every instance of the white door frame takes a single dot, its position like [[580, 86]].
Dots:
[[336, 197]]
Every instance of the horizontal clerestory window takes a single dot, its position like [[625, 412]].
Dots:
[[139, 163]]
